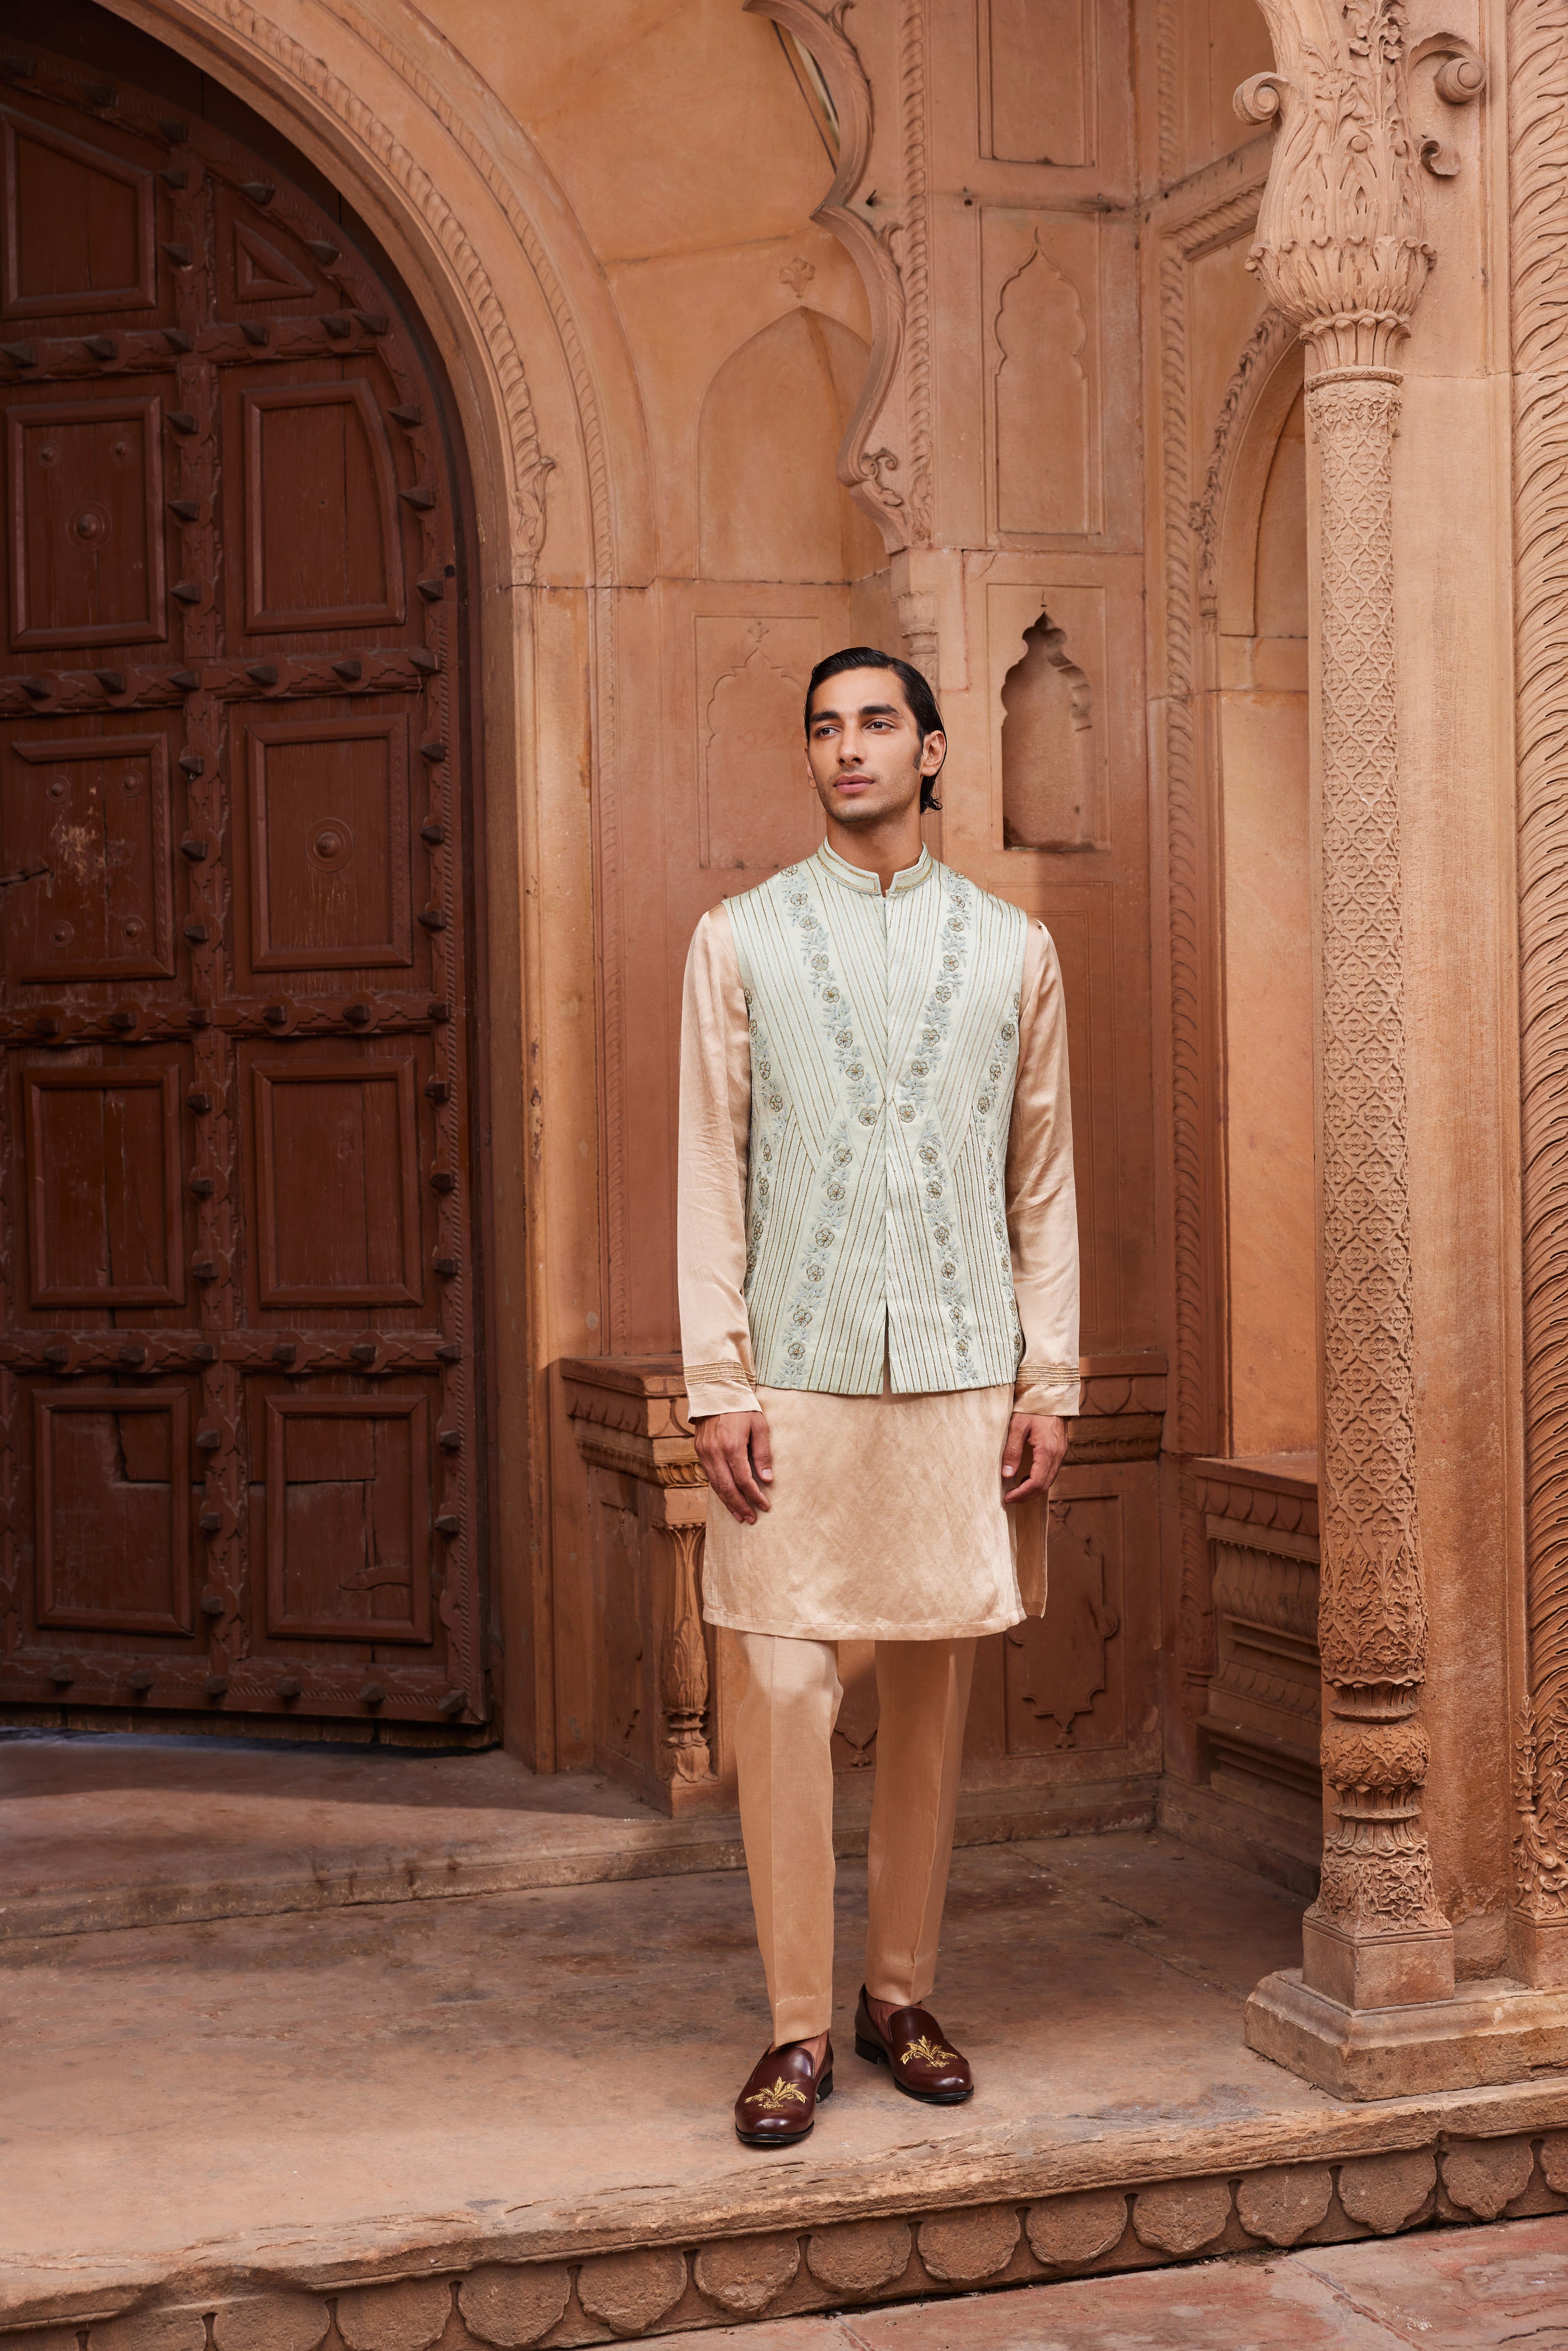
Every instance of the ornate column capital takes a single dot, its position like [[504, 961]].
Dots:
[[1341, 246]]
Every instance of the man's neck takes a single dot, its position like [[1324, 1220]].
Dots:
[[883, 849]]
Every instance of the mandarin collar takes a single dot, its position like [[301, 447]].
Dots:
[[855, 877]]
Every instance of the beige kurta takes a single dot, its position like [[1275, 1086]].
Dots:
[[887, 1520]]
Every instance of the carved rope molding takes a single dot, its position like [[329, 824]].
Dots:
[[1538, 145], [1343, 254], [1167, 89], [1262, 349], [916, 268]]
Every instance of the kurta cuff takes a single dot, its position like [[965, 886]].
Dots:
[[1045, 1388], [718, 1387]]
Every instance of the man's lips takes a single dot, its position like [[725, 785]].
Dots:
[[849, 783]]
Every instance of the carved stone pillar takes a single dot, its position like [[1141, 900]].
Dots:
[[1375, 1937], [683, 1664], [1342, 252], [659, 1722]]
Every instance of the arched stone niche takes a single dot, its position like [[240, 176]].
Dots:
[[1052, 775], [769, 502], [1266, 917], [1050, 778]]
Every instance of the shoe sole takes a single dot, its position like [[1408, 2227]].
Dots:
[[768, 2138], [875, 2055]]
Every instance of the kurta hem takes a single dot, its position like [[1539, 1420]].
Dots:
[[883, 1629]]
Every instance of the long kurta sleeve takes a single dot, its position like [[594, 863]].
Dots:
[[710, 1220], [1042, 1210]]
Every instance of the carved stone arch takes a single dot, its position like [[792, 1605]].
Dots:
[[488, 247], [1263, 936], [1246, 445], [769, 502]]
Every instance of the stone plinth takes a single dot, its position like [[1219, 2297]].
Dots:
[[1495, 2031], [1265, 1696]]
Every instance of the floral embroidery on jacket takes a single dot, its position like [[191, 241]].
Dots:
[[913, 1089], [769, 1124], [837, 1017]]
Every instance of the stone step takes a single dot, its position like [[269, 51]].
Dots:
[[473, 2126], [109, 1832]]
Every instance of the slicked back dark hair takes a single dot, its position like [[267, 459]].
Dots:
[[916, 692]]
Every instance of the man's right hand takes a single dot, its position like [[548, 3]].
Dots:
[[738, 1461]]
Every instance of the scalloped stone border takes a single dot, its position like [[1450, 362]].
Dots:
[[720, 2282]]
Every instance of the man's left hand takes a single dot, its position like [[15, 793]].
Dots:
[[1045, 1435]]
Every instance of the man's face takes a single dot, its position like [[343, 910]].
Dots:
[[866, 758]]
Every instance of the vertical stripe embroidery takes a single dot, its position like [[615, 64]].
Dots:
[[858, 1092]]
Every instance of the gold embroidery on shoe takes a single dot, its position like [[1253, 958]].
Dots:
[[930, 2052], [773, 2101]]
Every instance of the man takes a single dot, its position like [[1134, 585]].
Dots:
[[878, 1255]]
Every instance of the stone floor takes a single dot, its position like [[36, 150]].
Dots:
[[1457, 2290], [409, 2091], [105, 1832]]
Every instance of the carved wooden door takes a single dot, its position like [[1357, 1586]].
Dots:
[[236, 1366]]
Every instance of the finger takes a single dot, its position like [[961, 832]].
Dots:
[[762, 1450], [738, 1463], [1052, 1453], [723, 1485], [1012, 1452], [1035, 1483]]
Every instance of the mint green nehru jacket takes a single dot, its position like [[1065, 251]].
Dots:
[[884, 1054]]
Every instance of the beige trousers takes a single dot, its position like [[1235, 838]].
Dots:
[[783, 1733]]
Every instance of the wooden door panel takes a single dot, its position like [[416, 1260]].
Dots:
[[237, 1319], [92, 810], [336, 1154], [78, 225], [329, 845], [115, 1495], [270, 264], [322, 543], [105, 1184], [260, 271], [85, 507], [348, 1518]]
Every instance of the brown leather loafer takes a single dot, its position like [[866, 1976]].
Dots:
[[922, 2065], [779, 2104]]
